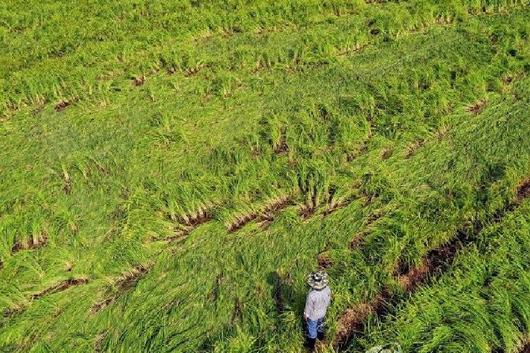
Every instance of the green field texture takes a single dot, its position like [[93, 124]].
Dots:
[[170, 173]]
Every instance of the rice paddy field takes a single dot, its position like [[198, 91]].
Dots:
[[171, 171]]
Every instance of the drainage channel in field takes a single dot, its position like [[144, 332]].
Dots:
[[59, 287], [437, 261]]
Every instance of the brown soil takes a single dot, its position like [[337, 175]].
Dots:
[[477, 107], [357, 240], [62, 105], [62, 286], [32, 244], [123, 284], [272, 210], [307, 211], [353, 319], [324, 262], [241, 221], [139, 81], [265, 216], [414, 276], [130, 279], [523, 190], [386, 153], [200, 217]]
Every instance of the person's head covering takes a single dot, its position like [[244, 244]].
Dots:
[[318, 280]]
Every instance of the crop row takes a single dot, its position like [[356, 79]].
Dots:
[[76, 73], [435, 263]]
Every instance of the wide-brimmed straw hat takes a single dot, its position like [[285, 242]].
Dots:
[[318, 280]]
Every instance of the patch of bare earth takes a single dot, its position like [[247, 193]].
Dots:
[[124, 283], [138, 81], [409, 280], [272, 209], [265, 216], [477, 107], [62, 286], [62, 105], [353, 319], [241, 221], [324, 262], [523, 190], [32, 243]]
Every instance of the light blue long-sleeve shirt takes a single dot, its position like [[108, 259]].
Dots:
[[317, 303]]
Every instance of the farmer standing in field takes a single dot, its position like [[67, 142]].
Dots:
[[316, 305]]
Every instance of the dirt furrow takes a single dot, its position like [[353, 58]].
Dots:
[[123, 284], [59, 287], [265, 216], [62, 286], [437, 261]]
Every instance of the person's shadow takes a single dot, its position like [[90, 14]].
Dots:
[[285, 295]]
